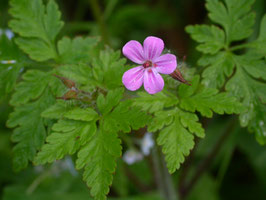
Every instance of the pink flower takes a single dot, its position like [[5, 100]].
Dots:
[[151, 63]]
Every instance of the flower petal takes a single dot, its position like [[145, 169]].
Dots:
[[133, 50], [153, 47], [133, 78], [166, 63], [153, 81]]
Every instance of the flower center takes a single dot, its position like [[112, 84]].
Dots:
[[147, 64]]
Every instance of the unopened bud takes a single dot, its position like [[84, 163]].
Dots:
[[71, 94], [178, 76], [66, 82]]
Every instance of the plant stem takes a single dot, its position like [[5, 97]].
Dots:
[[37, 182], [227, 158], [96, 10], [204, 165], [162, 176]]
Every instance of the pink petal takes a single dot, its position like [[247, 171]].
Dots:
[[153, 47], [133, 51], [133, 78], [153, 81], [166, 64]]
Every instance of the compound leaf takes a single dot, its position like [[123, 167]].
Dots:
[[98, 158], [156, 102], [37, 26], [211, 37], [176, 143], [67, 137], [207, 100]]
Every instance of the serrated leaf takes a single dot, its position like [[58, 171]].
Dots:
[[176, 143], [37, 25], [32, 87], [86, 114], [80, 74], [219, 67], [98, 158], [77, 50], [190, 121], [37, 49], [30, 132], [217, 12], [245, 84], [233, 17], [252, 93], [207, 100], [105, 104], [125, 117], [161, 119], [156, 102], [108, 68], [57, 110], [67, 138], [260, 43], [211, 37], [8, 78]]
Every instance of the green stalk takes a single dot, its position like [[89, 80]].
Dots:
[[96, 10], [163, 179]]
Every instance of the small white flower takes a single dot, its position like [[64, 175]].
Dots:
[[131, 156], [9, 34], [147, 143]]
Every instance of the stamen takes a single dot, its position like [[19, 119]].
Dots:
[[147, 64]]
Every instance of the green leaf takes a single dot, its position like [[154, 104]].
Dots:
[[81, 74], [252, 93], [124, 117], [156, 102], [211, 37], [67, 137], [87, 114], [8, 77], [113, 97], [234, 17], [245, 71], [161, 119], [219, 67], [37, 49], [260, 43], [37, 26], [108, 69], [207, 100], [31, 88], [98, 158], [105, 71], [217, 12], [30, 132], [57, 110], [176, 143], [190, 121], [77, 50]]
